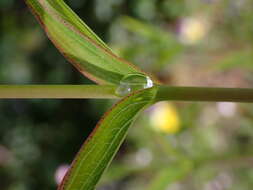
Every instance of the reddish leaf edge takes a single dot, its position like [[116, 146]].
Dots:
[[77, 157], [75, 63]]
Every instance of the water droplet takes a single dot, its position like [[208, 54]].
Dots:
[[132, 82]]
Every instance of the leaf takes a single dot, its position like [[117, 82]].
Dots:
[[75, 40], [170, 175], [236, 59], [161, 44], [100, 147], [148, 31]]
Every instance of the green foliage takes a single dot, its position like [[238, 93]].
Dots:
[[103, 143], [237, 59], [213, 146], [162, 45], [169, 175], [79, 44]]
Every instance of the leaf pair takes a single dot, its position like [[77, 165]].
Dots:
[[93, 58]]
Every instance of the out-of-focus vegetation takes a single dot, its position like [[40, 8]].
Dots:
[[172, 146]]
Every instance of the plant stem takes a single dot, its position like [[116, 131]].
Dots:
[[57, 91], [108, 92], [204, 94]]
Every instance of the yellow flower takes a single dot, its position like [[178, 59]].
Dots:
[[193, 30], [164, 118]]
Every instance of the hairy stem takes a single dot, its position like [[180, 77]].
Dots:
[[57, 91], [204, 94]]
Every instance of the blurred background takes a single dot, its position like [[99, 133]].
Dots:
[[172, 145]]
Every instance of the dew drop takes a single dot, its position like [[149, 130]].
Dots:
[[132, 82]]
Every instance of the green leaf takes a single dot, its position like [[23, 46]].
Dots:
[[170, 175], [148, 31], [163, 45], [100, 147], [75, 40], [236, 59]]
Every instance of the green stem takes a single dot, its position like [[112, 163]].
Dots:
[[204, 94], [108, 92], [57, 91]]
